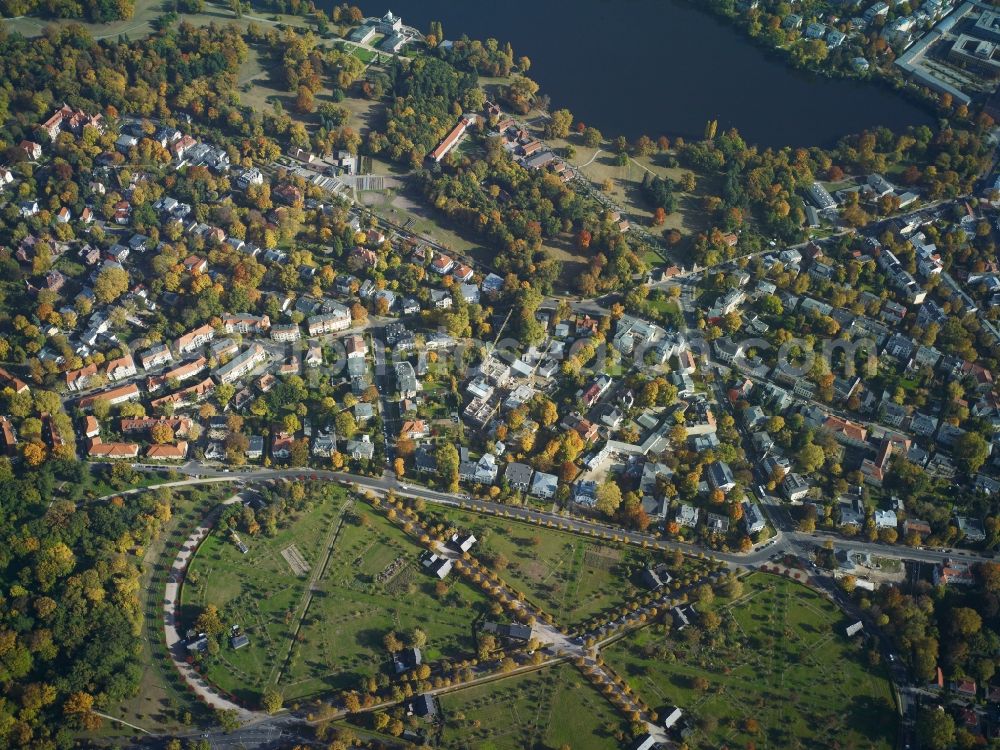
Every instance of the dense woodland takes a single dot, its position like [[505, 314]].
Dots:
[[97, 11], [70, 612]]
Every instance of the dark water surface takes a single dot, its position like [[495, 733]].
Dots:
[[663, 67]]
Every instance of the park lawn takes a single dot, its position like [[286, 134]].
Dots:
[[565, 574], [363, 54], [405, 208], [260, 81], [257, 591], [549, 708], [664, 305], [352, 609], [780, 659], [96, 485]]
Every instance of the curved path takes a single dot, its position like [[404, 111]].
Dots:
[[592, 160], [174, 639]]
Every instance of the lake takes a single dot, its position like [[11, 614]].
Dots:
[[663, 67]]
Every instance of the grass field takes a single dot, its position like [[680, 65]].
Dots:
[[257, 591], [356, 605], [344, 620], [780, 673], [546, 709], [570, 576]]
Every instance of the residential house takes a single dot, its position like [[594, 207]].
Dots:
[[113, 396], [8, 438], [181, 373], [442, 264], [167, 451], [544, 485], [406, 379], [194, 339], [518, 476], [718, 524], [720, 476], [413, 430], [972, 528], [483, 471], [794, 486], [32, 149], [121, 368], [281, 445], [687, 515], [407, 659], [954, 572], [91, 428], [245, 324], [437, 565], [753, 518], [338, 319], [885, 519], [846, 432], [78, 380], [155, 356], [286, 332], [255, 448], [99, 449], [242, 364], [362, 449], [189, 394]]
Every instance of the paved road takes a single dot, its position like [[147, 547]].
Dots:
[[790, 539]]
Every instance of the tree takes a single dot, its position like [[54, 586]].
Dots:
[[229, 719], [609, 498], [560, 123], [209, 622], [305, 102], [346, 425], [272, 700], [733, 587], [935, 728], [34, 453], [970, 451], [592, 137], [810, 458], [299, 452], [79, 703], [392, 643], [965, 621], [352, 703], [111, 283], [162, 433], [224, 393], [446, 456], [704, 595], [547, 413], [418, 638]]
